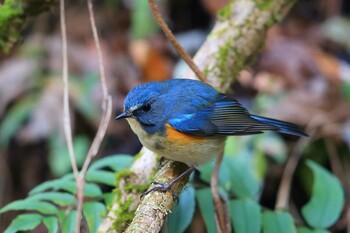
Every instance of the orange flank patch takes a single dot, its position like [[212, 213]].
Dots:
[[172, 135]]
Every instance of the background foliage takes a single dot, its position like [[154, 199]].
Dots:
[[301, 75]]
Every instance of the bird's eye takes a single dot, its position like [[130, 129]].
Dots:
[[146, 107]]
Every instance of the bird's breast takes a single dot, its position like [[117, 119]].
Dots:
[[178, 146]]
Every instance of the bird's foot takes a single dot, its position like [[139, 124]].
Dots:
[[167, 187], [160, 187]]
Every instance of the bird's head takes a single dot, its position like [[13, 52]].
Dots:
[[144, 104]]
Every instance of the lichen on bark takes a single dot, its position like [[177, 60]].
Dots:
[[236, 38]]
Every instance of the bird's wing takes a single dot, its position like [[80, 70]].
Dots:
[[225, 116]]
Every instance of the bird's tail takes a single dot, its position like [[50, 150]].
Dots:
[[283, 127]]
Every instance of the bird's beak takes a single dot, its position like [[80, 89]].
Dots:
[[123, 115]]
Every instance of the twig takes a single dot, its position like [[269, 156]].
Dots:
[[182, 52], [66, 116], [106, 116], [99, 51], [284, 189], [222, 225], [333, 155], [287, 177], [107, 99]]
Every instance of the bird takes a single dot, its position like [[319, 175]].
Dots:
[[188, 121]]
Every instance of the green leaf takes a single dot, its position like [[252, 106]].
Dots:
[[143, 24], [27, 204], [182, 214], [114, 162], [14, 119], [59, 155], [245, 216], [81, 144], [244, 183], [206, 171], [58, 184], [230, 146], [61, 199], [307, 230], [24, 222], [51, 224], [277, 222], [104, 177], [83, 99], [108, 198], [94, 212], [260, 164], [90, 190], [272, 144], [345, 88], [327, 199], [225, 181], [68, 221], [206, 206]]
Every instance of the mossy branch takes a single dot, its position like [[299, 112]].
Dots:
[[130, 184], [237, 36], [13, 14]]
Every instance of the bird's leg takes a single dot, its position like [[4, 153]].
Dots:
[[167, 187]]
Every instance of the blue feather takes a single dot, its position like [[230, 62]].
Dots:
[[283, 127]]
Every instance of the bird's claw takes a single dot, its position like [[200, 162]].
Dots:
[[160, 187]]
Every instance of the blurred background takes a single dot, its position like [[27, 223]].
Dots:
[[302, 74]]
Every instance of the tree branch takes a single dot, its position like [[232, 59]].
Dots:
[[13, 15], [236, 37], [155, 206], [130, 185]]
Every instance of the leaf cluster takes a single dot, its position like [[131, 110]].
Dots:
[[240, 185], [53, 202]]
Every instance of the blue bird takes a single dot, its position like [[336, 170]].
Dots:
[[188, 121]]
